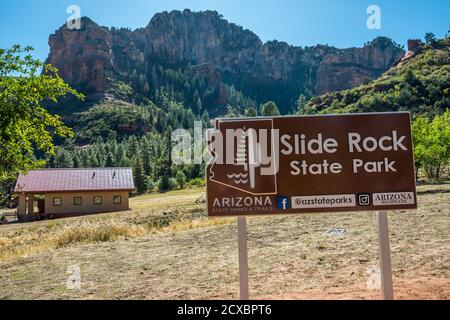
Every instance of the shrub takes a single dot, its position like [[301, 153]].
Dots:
[[180, 178], [197, 182], [164, 184], [151, 185]]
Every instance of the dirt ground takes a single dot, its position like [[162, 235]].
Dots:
[[322, 256]]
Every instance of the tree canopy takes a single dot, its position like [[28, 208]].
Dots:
[[432, 144], [270, 109], [26, 126]]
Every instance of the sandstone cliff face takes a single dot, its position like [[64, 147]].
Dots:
[[350, 67], [83, 57], [223, 52], [415, 46]]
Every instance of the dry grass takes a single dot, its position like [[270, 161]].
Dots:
[[146, 217], [168, 249]]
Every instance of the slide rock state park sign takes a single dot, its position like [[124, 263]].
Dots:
[[330, 163]]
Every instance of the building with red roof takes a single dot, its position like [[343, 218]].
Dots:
[[71, 192]]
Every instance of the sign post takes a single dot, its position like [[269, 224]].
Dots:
[[311, 164], [243, 258], [385, 256]]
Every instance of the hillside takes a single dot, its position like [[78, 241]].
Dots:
[[419, 83], [207, 63]]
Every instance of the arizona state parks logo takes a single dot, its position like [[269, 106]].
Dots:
[[243, 156]]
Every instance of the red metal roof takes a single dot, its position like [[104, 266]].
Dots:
[[66, 180]]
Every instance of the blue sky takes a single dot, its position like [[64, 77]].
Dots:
[[341, 23]]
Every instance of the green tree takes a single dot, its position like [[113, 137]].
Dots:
[[133, 147], [206, 119], [270, 109], [198, 106], [410, 78], [6, 190], [432, 144], [76, 160], [430, 38], [251, 112], [109, 162], [26, 126], [180, 177], [121, 157], [93, 160], [63, 159], [139, 176], [146, 157], [232, 112], [303, 107], [440, 131], [164, 183], [420, 130], [167, 153]]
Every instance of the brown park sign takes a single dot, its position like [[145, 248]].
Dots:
[[330, 163]]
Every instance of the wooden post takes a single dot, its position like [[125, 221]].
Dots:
[[243, 258], [30, 204], [385, 256], [22, 208]]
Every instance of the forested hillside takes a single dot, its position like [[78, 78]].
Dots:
[[120, 134], [420, 83]]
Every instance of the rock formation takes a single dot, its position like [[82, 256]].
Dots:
[[222, 52]]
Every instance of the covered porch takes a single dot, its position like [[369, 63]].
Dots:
[[30, 204]]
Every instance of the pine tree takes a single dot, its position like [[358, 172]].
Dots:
[[100, 161], [164, 183], [76, 160], [84, 159], [198, 106], [121, 157], [167, 156], [301, 104], [270, 109], [251, 112], [205, 119], [139, 176], [109, 162], [64, 159], [51, 163], [146, 157], [133, 146], [93, 160]]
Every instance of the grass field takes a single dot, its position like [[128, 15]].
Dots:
[[166, 248]]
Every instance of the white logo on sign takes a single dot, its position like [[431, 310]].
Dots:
[[393, 198], [248, 156], [251, 154]]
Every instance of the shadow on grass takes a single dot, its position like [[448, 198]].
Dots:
[[436, 191], [440, 182]]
